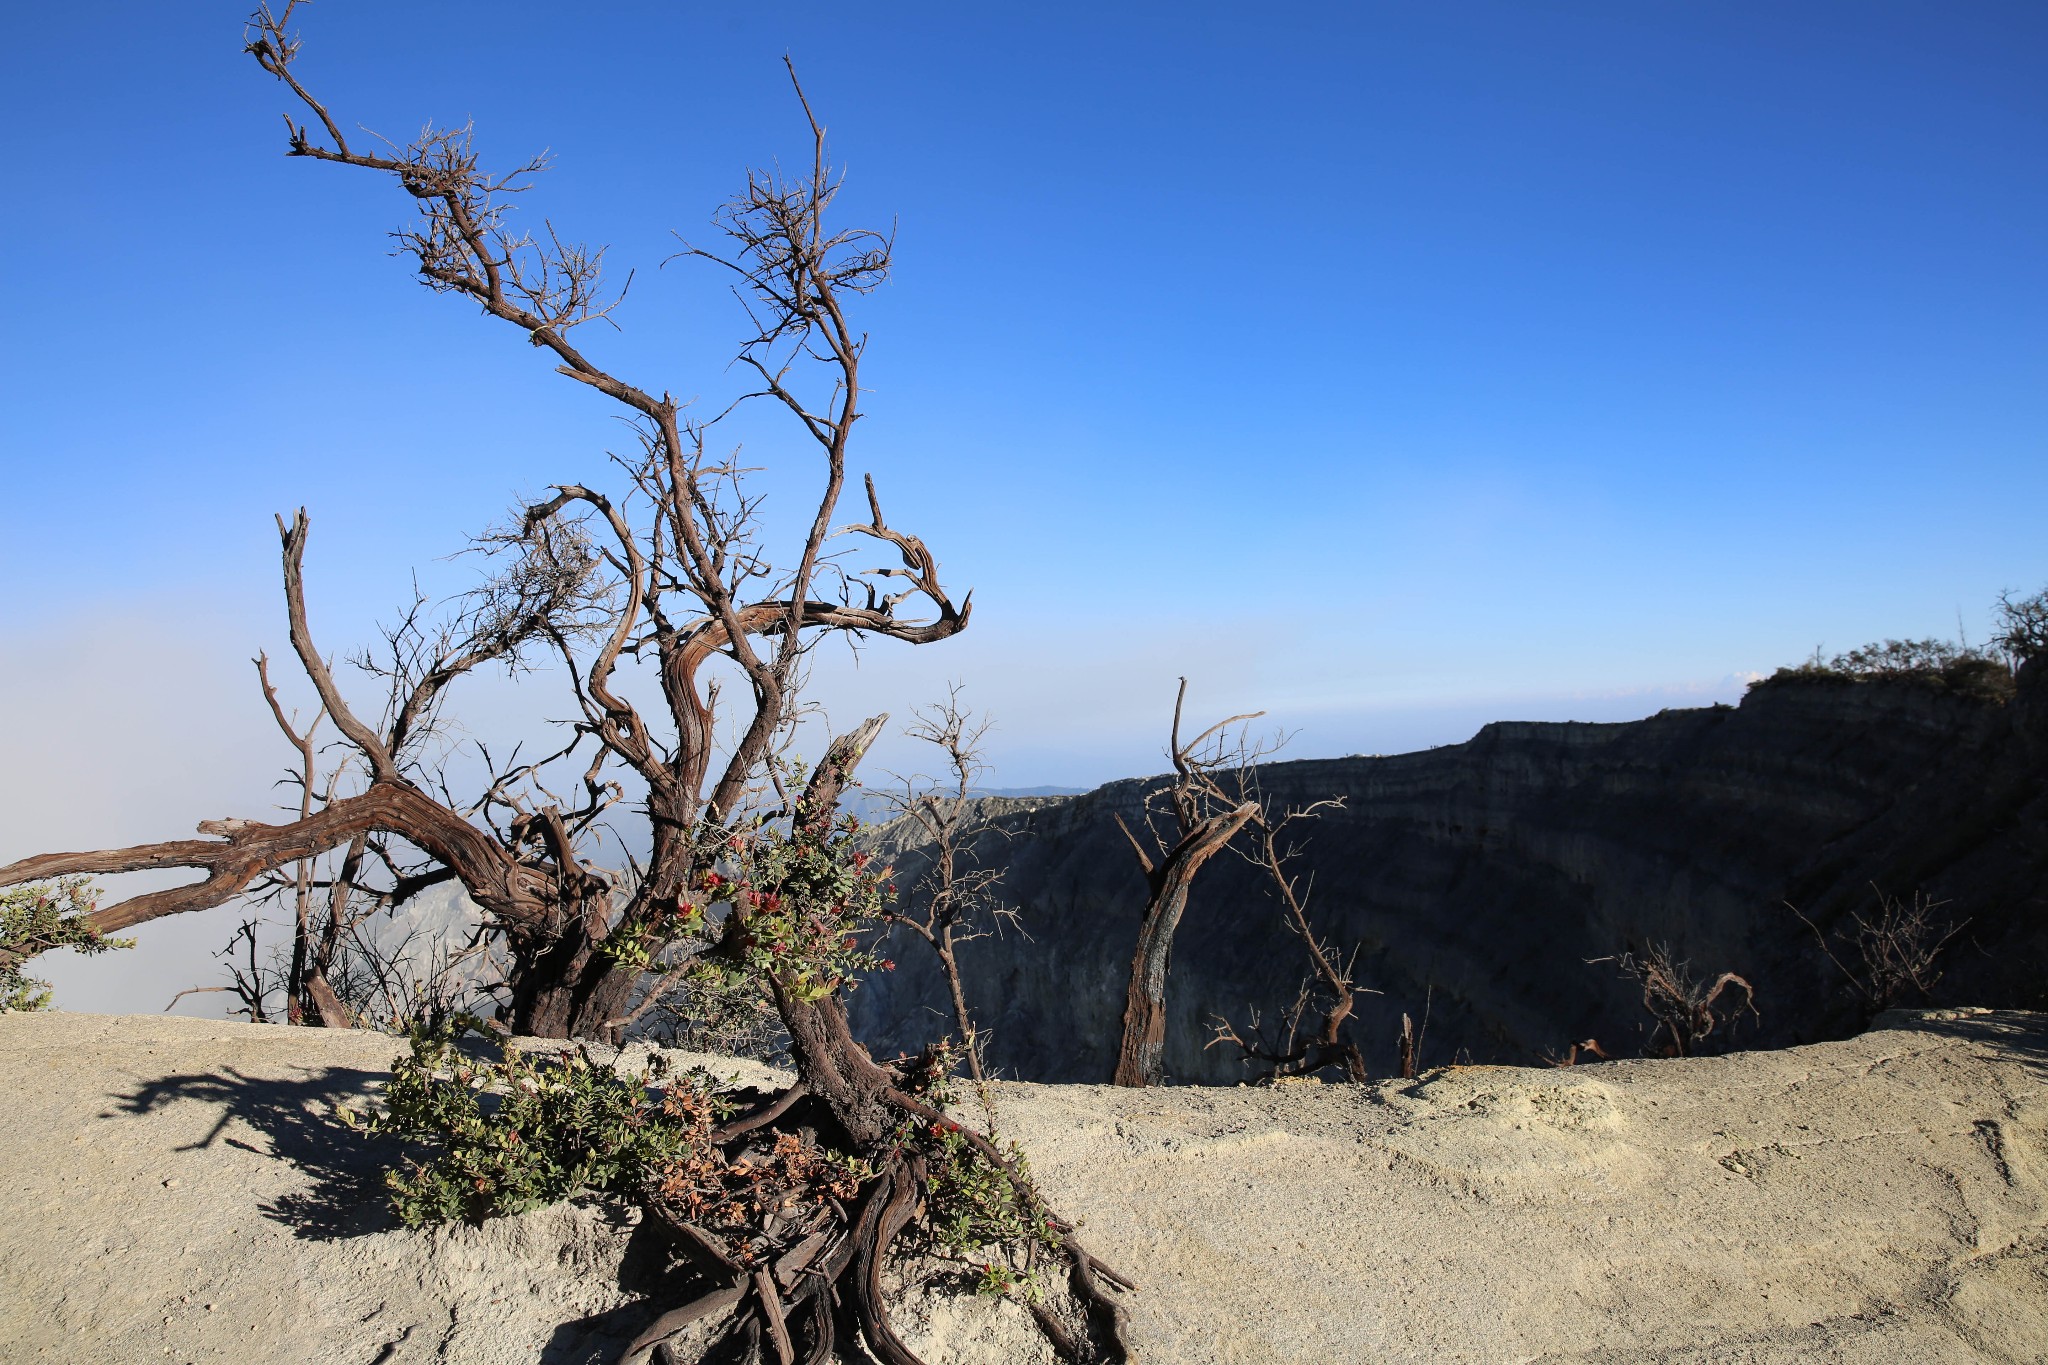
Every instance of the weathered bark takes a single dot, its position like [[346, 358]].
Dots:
[[560, 986], [332, 1013], [247, 849], [834, 1066], [1144, 1024]]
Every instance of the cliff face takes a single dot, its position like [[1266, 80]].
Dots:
[[1474, 881]]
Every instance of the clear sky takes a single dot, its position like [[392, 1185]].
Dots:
[[1393, 367]]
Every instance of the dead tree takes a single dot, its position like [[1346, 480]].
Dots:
[[308, 992], [1329, 990], [1203, 821], [955, 898], [348, 965], [584, 582], [248, 982], [671, 574], [1897, 948], [1688, 1011]]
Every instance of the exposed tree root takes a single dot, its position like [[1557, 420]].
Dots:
[[805, 1279], [797, 1241]]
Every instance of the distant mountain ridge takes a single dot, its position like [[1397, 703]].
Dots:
[[874, 805]]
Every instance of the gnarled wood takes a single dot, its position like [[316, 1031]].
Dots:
[[1201, 829], [676, 1319], [250, 849], [1142, 1046]]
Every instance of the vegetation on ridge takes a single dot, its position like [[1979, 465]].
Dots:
[[2020, 633]]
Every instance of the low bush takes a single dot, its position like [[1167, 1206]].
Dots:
[[527, 1129], [981, 1217], [494, 1138]]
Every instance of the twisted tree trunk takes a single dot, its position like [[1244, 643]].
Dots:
[[1141, 1049]]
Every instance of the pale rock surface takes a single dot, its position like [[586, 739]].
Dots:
[[174, 1192]]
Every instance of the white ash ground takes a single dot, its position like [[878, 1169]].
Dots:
[[174, 1192]]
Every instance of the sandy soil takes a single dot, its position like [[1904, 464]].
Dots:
[[175, 1193]]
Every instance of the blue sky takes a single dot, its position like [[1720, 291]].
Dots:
[[1394, 367]]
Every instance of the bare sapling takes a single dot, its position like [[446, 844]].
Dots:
[[1203, 819], [305, 965], [322, 927], [248, 980], [1896, 948], [350, 964], [1688, 1012], [955, 900], [1329, 993], [680, 637]]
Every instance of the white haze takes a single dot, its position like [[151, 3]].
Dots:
[[126, 728]]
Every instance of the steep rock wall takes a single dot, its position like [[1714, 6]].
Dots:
[[1474, 881]]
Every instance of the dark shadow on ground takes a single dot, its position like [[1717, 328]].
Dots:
[[298, 1122], [345, 1196], [2004, 1035]]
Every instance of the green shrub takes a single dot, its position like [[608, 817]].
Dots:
[[1899, 658], [528, 1130], [808, 894], [981, 1215], [501, 1137], [36, 918], [984, 1217]]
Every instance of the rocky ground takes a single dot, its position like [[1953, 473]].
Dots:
[[175, 1192]]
